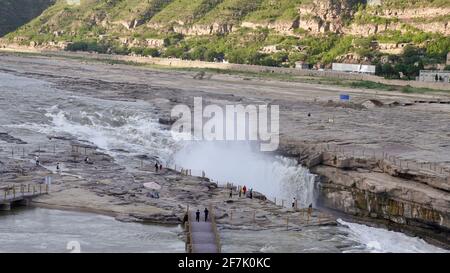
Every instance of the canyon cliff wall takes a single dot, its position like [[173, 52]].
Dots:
[[376, 189]]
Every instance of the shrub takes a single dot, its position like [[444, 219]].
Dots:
[[151, 52], [174, 52]]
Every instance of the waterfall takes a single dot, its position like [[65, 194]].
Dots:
[[242, 164]]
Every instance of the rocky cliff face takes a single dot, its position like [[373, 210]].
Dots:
[[382, 19], [326, 15], [377, 190], [319, 16], [15, 13]]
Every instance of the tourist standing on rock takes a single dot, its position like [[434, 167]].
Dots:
[[197, 216], [160, 167], [244, 190], [37, 160], [156, 167], [206, 214], [58, 168], [231, 193], [240, 191], [251, 193], [293, 202]]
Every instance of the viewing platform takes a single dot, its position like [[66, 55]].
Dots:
[[20, 195]]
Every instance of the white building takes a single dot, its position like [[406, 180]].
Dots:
[[355, 68]]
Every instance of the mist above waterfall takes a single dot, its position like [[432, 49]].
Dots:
[[241, 163]]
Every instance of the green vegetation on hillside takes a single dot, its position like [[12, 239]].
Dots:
[[13, 14], [271, 11], [403, 4], [230, 11], [183, 10], [201, 30]]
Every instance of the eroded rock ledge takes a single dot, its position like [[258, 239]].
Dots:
[[406, 199]]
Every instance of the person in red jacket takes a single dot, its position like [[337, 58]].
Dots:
[[244, 190]]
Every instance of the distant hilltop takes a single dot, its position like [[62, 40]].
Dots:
[[266, 32], [15, 13]]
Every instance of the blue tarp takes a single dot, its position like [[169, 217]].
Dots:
[[345, 97]]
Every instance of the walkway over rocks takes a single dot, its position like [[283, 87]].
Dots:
[[202, 236]]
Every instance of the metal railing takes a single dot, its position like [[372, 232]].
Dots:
[[23, 190], [215, 230], [395, 160], [189, 243], [22, 151]]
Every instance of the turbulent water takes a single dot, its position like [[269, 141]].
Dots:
[[381, 240], [127, 130], [43, 230]]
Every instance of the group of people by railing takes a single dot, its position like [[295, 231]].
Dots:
[[242, 191]]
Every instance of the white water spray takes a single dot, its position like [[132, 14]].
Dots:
[[241, 163], [380, 240]]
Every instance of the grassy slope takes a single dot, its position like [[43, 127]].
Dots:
[[230, 11], [137, 9], [166, 12], [271, 11], [401, 4], [183, 10], [12, 14], [77, 23]]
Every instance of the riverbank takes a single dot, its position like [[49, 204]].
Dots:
[[75, 95], [333, 78]]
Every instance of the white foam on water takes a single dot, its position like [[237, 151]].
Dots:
[[110, 130], [379, 240]]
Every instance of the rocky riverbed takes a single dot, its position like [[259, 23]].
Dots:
[[61, 122]]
